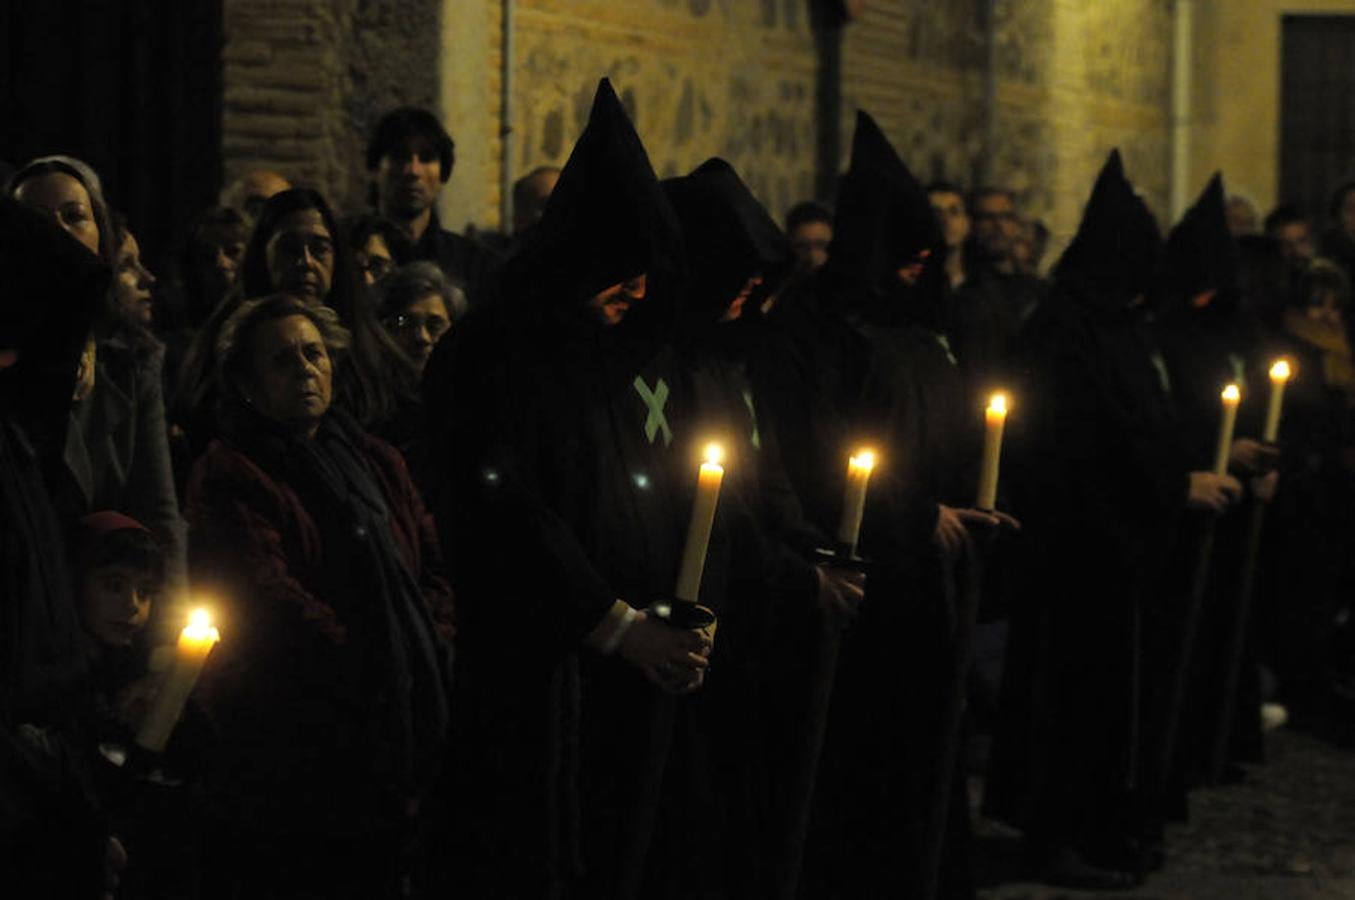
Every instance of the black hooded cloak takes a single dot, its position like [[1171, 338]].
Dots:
[[571, 460], [1099, 478], [765, 696], [51, 835], [884, 749]]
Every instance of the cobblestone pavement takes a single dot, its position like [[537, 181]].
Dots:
[[1287, 832]]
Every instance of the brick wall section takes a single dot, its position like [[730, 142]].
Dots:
[[305, 79]]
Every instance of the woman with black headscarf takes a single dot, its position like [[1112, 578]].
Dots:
[[329, 689]]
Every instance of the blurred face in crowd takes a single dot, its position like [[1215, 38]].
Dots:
[[1324, 308], [300, 256], [217, 252], [374, 259], [1241, 217], [996, 226], [115, 602], [810, 242], [65, 199], [290, 373], [610, 306], [252, 190], [735, 308], [1346, 214], [952, 216], [419, 328], [132, 282], [408, 178], [1296, 242]]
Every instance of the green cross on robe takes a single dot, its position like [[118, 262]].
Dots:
[[655, 400], [1162, 374], [752, 416]]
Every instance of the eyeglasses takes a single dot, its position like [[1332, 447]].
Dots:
[[434, 326]]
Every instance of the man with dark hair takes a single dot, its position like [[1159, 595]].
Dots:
[[409, 158], [809, 225], [996, 226], [947, 200], [1293, 231]]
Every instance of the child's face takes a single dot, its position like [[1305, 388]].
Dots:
[[115, 603]]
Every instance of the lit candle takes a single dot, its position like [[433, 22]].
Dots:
[[703, 519], [195, 642], [1231, 397], [995, 417], [859, 468], [1279, 376]]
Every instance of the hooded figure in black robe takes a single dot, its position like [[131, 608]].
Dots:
[[571, 461], [1100, 476], [887, 751], [771, 671], [52, 836], [1207, 343]]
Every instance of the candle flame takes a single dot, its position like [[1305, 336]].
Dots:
[[1232, 393], [998, 403], [715, 454], [864, 459], [200, 626], [1280, 371]]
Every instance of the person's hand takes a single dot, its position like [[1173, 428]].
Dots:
[[134, 700], [1263, 487], [1253, 457], [950, 533], [674, 659], [1212, 493], [840, 592], [115, 861], [85, 372]]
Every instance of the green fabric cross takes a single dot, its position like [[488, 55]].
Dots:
[[1162, 375], [655, 400], [752, 415]]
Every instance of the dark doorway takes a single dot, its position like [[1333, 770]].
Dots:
[[1317, 109], [133, 87]]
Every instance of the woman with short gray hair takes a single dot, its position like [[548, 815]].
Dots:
[[329, 688]]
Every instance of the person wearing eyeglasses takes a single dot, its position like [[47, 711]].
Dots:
[[418, 305]]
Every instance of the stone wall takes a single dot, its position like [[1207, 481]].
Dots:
[[305, 79], [735, 78]]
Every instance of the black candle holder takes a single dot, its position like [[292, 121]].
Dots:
[[841, 557], [682, 614]]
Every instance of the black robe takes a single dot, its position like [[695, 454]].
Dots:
[[52, 832], [571, 464], [1098, 479]]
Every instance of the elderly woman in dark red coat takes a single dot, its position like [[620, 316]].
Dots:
[[329, 688]]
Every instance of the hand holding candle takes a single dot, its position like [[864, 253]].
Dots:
[[1232, 395], [859, 468], [1279, 376], [195, 642], [703, 519], [995, 417]]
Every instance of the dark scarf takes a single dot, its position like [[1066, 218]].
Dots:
[[333, 478]]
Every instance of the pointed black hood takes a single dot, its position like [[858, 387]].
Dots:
[[884, 221], [607, 219], [1114, 254], [1201, 254], [729, 237], [52, 289]]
